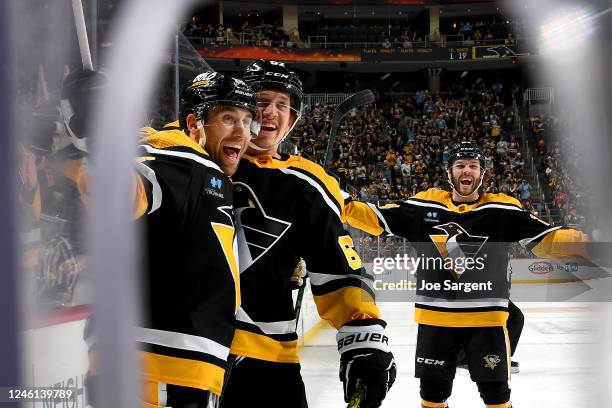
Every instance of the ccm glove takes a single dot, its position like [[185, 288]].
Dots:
[[365, 358]]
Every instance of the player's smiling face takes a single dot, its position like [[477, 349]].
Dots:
[[466, 175], [227, 136], [276, 118]]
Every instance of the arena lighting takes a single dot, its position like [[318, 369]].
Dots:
[[566, 30], [387, 75], [464, 74]]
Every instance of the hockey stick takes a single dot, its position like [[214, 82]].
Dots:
[[352, 102], [357, 397], [81, 29]]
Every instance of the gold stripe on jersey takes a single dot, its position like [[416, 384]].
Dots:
[[146, 131], [360, 215], [454, 318], [181, 371], [150, 394], [297, 162], [261, 347], [171, 138], [504, 405], [444, 198], [508, 351], [428, 404], [225, 235], [562, 244], [345, 305], [141, 203]]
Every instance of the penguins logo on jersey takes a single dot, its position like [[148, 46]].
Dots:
[[225, 234], [456, 242], [491, 360], [256, 231]]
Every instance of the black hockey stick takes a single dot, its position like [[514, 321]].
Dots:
[[352, 102]]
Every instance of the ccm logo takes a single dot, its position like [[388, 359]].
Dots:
[[277, 74], [361, 338], [429, 361]]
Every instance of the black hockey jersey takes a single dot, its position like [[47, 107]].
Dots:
[[287, 209], [191, 284], [463, 248]]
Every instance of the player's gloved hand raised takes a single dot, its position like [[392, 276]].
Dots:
[[365, 358]]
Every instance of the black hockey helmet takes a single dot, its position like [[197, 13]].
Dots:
[[81, 91], [209, 89], [465, 150], [264, 75]]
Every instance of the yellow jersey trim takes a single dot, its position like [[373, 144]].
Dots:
[[261, 347], [183, 372], [463, 319]]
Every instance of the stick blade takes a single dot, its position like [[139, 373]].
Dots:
[[354, 101]]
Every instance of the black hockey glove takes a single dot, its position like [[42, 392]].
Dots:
[[365, 358]]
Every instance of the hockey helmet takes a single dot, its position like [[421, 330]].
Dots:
[[264, 75], [465, 150], [209, 89]]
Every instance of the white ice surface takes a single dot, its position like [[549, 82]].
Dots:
[[558, 355]]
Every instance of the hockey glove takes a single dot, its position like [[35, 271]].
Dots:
[[365, 358]]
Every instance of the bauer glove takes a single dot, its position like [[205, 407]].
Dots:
[[365, 359]]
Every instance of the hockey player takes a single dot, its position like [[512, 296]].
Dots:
[[183, 201], [288, 208], [468, 234], [514, 324]]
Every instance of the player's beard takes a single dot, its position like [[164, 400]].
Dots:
[[456, 184]]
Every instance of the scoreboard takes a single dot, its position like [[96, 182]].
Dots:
[[464, 53], [459, 53]]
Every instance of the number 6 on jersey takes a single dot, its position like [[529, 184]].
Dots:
[[346, 243]]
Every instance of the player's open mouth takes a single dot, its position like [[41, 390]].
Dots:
[[232, 152], [268, 127], [466, 182]]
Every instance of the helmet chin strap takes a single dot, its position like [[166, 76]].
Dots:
[[450, 180]]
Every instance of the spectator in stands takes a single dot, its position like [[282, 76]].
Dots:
[[525, 191], [465, 28], [386, 43], [509, 40], [502, 148]]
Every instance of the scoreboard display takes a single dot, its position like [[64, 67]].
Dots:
[[459, 53]]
